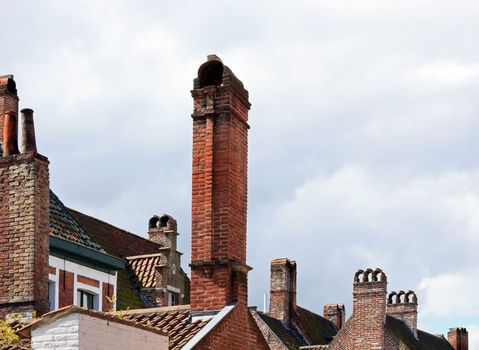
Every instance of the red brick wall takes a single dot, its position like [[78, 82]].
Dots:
[[65, 288], [238, 330], [24, 229], [88, 281], [107, 292], [219, 197]]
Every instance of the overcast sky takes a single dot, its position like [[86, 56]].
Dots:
[[364, 140]]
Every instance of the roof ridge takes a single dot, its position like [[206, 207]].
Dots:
[[113, 226]]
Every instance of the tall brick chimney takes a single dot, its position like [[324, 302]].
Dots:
[[283, 289], [219, 198], [24, 223], [369, 309], [458, 338], [336, 313], [403, 306], [8, 99]]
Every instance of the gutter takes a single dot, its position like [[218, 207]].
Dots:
[[85, 256]]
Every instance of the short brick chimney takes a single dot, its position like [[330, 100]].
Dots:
[[219, 189], [458, 338], [163, 230], [283, 289], [8, 99], [403, 306], [369, 309], [336, 313], [24, 219]]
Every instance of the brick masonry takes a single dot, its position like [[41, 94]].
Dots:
[[219, 198], [24, 227], [459, 338], [107, 291], [283, 289], [66, 286]]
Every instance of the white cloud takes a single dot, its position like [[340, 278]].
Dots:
[[451, 295]]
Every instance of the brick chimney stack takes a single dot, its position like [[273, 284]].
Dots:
[[403, 306], [8, 99], [219, 188], [369, 309], [283, 289], [24, 218], [458, 338], [336, 313], [163, 230]]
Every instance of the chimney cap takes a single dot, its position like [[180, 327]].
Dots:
[[26, 110]]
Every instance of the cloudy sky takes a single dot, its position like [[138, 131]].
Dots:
[[363, 143]]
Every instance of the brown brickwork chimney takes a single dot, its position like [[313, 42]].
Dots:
[[336, 313], [403, 306], [458, 338], [282, 289], [163, 230], [219, 193], [8, 99], [24, 227], [369, 309]]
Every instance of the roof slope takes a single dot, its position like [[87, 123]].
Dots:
[[320, 330], [114, 240], [425, 341], [173, 320], [64, 226], [284, 334], [143, 268]]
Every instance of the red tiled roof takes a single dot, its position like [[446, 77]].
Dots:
[[114, 240], [144, 269], [173, 320]]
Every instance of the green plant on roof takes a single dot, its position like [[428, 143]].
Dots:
[[7, 334]]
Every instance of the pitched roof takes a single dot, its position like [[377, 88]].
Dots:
[[425, 341], [114, 240], [173, 320], [144, 269], [63, 225], [286, 335], [319, 330]]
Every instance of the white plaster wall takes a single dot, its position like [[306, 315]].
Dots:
[[78, 269], [101, 334], [84, 332], [62, 334]]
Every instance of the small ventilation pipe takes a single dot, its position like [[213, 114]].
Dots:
[[29, 144]]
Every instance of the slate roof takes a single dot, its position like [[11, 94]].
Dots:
[[425, 341], [286, 335], [173, 320], [320, 330], [114, 240], [144, 269], [63, 225]]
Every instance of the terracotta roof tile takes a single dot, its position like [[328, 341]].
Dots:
[[172, 320], [143, 268]]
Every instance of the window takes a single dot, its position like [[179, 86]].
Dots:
[[86, 299], [51, 295], [173, 299]]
